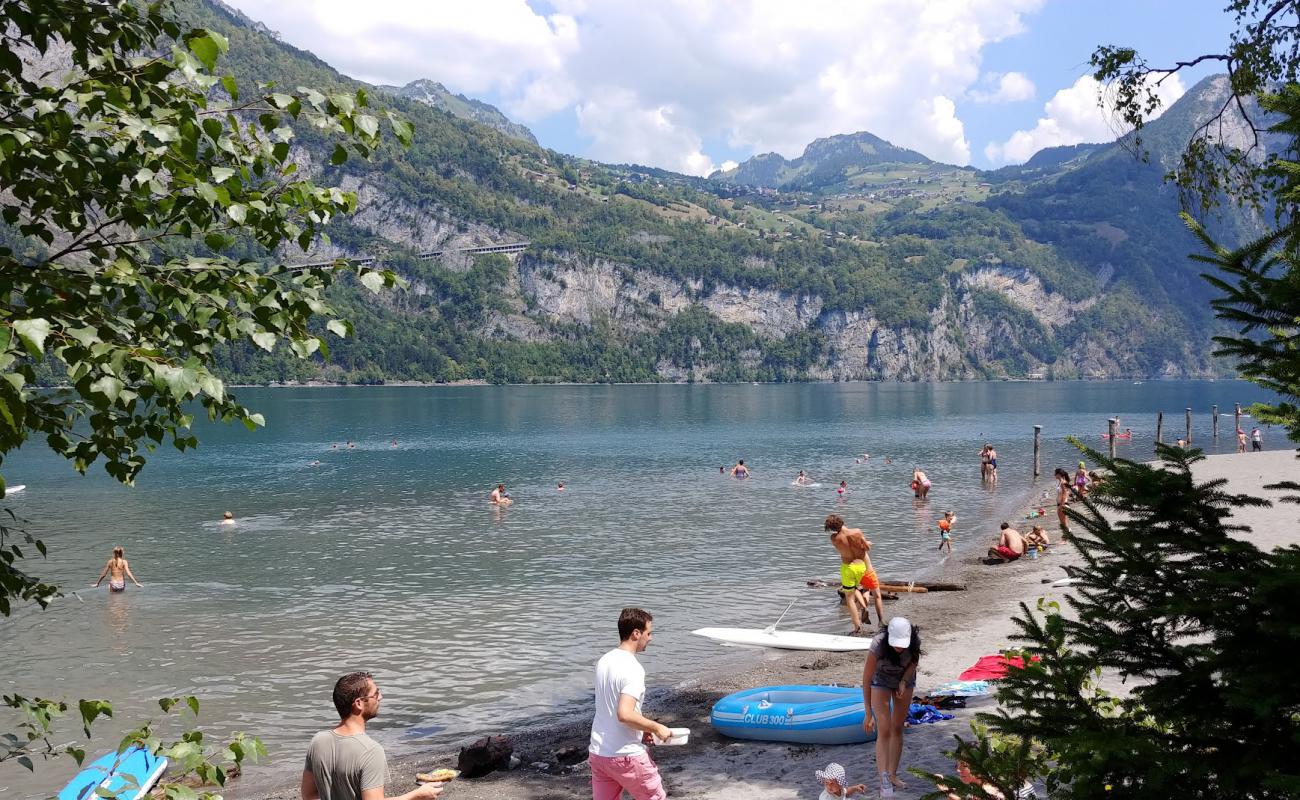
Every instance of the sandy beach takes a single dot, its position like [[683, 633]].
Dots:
[[957, 628]]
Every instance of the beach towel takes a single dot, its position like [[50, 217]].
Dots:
[[992, 668], [962, 689], [918, 714]]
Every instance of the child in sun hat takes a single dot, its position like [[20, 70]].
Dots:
[[833, 783]]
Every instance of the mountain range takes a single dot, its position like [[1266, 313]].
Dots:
[[859, 260]]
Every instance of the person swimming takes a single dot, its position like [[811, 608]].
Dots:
[[802, 480], [843, 487], [559, 487], [740, 470], [227, 518]]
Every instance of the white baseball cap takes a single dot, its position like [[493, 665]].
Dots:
[[900, 632]]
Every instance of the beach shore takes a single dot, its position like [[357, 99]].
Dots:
[[957, 628]]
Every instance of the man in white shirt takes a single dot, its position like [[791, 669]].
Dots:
[[618, 757]]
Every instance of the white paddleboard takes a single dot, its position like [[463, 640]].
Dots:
[[784, 640], [15, 489]]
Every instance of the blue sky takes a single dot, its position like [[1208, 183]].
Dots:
[[691, 85]]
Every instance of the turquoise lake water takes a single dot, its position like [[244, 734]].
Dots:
[[389, 558]]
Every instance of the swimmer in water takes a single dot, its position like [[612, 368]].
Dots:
[[499, 496], [394, 444], [740, 470], [888, 460], [559, 487], [802, 480], [315, 463], [227, 518], [844, 487]]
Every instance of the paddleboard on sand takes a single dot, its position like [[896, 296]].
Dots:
[[128, 775], [784, 640]]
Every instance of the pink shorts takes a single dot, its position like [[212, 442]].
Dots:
[[637, 775]]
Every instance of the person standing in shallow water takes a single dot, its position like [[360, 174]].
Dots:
[[118, 570]]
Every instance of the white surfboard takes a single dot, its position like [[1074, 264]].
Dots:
[[15, 489], [784, 640]]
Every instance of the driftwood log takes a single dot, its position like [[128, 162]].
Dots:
[[929, 585]]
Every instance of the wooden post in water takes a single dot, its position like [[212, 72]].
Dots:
[[1214, 421], [1160, 427], [1038, 445], [1111, 425], [1237, 427], [1189, 426]]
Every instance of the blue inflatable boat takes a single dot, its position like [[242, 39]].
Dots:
[[800, 714]]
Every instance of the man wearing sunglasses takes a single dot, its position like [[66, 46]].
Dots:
[[343, 763]]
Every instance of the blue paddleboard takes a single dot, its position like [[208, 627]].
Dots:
[[128, 775]]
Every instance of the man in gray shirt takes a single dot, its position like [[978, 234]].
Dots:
[[344, 763]]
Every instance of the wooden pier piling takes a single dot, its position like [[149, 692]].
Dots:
[[1038, 446]]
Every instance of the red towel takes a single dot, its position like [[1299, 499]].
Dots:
[[992, 668]]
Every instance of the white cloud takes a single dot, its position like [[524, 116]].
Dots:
[[1074, 115], [1012, 87], [651, 81]]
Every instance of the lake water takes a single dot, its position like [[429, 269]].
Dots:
[[389, 558]]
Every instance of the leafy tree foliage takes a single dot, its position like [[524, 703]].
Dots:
[[145, 202], [1262, 53]]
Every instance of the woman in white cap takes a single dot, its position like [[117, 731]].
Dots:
[[888, 680], [834, 786]]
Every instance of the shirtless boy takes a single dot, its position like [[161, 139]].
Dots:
[[856, 573], [499, 496], [117, 570]]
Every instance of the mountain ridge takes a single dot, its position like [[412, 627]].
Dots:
[[435, 95], [918, 271]]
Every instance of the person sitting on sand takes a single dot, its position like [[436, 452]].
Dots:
[[967, 777], [802, 480], [945, 530], [1011, 545], [118, 570], [835, 785], [920, 483], [740, 470], [1037, 537]]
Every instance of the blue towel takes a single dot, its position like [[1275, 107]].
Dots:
[[918, 714]]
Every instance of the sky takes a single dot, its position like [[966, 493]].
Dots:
[[698, 85]]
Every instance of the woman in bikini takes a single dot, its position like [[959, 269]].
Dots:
[[117, 570], [1062, 498]]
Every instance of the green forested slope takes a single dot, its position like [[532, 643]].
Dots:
[[891, 257]]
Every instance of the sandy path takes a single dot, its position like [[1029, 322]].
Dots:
[[958, 627]]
